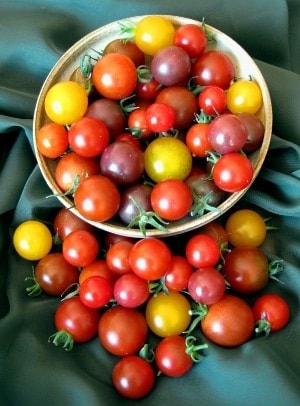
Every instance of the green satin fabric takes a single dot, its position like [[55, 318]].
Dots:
[[33, 35]]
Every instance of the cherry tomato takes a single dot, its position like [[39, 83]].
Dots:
[[150, 258], [52, 140], [246, 228], [160, 117], [153, 33], [232, 172], [72, 168], [271, 313], [122, 331], [97, 198], [98, 267], [165, 202], [171, 66], [96, 292], [255, 131], [177, 276], [65, 221], [133, 377], [128, 48], [148, 89], [66, 102], [75, 318], [137, 123], [32, 240], [80, 248], [217, 231], [88, 137], [168, 314], [244, 96], [166, 158], [213, 68], [114, 76], [202, 251], [130, 290], [171, 357], [212, 100], [54, 274], [229, 322], [197, 140], [117, 257], [206, 286], [184, 103], [191, 38], [246, 269]]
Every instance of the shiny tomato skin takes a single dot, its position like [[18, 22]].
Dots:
[[97, 198], [272, 308], [177, 276], [114, 76], [80, 248], [229, 322], [191, 38], [217, 231], [54, 274], [77, 319], [128, 48], [246, 269], [212, 100], [206, 286], [122, 331], [71, 167], [52, 140], [130, 290], [171, 357], [150, 258], [202, 251], [171, 199], [244, 96], [133, 377], [213, 68], [65, 221], [197, 140], [117, 257], [96, 292], [97, 268]]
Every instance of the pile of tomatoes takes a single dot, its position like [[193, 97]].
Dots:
[[156, 304], [154, 125]]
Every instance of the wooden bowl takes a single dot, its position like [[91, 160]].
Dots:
[[244, 66]]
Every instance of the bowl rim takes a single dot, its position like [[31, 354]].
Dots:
[[72, 55]]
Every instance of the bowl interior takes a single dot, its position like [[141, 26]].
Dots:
[[96, 40]]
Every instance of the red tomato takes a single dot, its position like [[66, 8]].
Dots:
[[96, 292], [148, 89], [212, 100], [97, 198], [80, 248], [202, 251], [217, 231], [52, 140], [53, 274], [197, 140], [130, 290], [97, 268], [79, 321], [150, 258], [122, 331], [213, 68], [232, 172], [165, 199], [206, 286], [117, 257], [246, 269], [171, 357], [177, 277], [114, 76], [71, 168], [271, 313], [65, 221], [88, 137], [133, 377], [160, 117], [128, 48], [137, 124], [229, 322], [191, 38]]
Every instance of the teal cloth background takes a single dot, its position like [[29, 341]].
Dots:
[[33, 35]]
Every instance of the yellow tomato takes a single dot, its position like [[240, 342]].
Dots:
[[246, 228], [66, 102], [32, 240], [168, 314], [153, 33], [244, 96], [166, 158]]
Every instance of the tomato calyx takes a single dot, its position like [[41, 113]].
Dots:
[[201, 205], [63, 338], [158, 286], [198, 311], [35, 289], [204, 118], [275, 267], [128, 30], [211, 38], [263, 326], [144, 74], [126, 106], [194, 348], [146, 218], [147, 353]]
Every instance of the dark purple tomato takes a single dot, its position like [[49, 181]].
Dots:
[[227, 133], [110, 112], [171, 65], [255, 131], [122, 162], [128, 209], [205, 188]]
